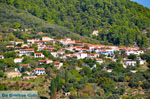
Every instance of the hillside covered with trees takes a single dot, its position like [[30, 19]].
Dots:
[[17, 24], [119, 22]]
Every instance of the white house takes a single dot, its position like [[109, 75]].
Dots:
[[141, 62], [47, 61], [133, 71], [58, 65], [109, 70], [26, 52], [41, 47], [39, 71], [1, 56], [46, 38], [18, 60], [60, 52], [93, 55], [99, 60], [38, 55], [130, 62], [82, 55], [107, 52], [18, 42], [65, 56], [54, 54], [96, 49], [32, 41], [66, 41], [114, 48], [91, 47], [78, 48], [95, 32], [134, 51]]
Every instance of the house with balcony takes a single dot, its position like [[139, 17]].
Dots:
[[38, 55], [39, 71], [47, 61], [129, 62], [26, 52]]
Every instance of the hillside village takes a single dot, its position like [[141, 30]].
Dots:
[[45, 57], [75, 49], [69, 48]]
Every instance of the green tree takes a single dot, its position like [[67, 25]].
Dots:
[[86, 71], [58, 82], [10, 54], [132, 56], [66, 76], [16, 25], [114, 96], [106, 83], [146, 85], [1, 73], [3, 87], [52, 88]]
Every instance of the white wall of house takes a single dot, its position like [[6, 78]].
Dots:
[[134, 52], [18, 60], [39, 71], [58, 66], [130, 63], [46, 38], [141, 62], [99, 61], [83, 55], [38, 55], [16, 43], [1, 57], [54, 54]]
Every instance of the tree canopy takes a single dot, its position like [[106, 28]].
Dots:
[[119, 22]]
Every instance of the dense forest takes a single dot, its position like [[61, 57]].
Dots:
[[119, 22]]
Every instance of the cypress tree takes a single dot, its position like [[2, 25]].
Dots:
[[58, 82], [53, 87], [66, 76]]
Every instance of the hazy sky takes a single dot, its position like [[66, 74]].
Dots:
[[145, 3]]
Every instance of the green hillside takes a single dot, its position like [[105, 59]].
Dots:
[[119, 22], [12, 18]]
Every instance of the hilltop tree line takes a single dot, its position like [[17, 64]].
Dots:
[[119, 21]]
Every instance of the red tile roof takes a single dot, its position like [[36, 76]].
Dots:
[[24, 64], [39, 68]]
